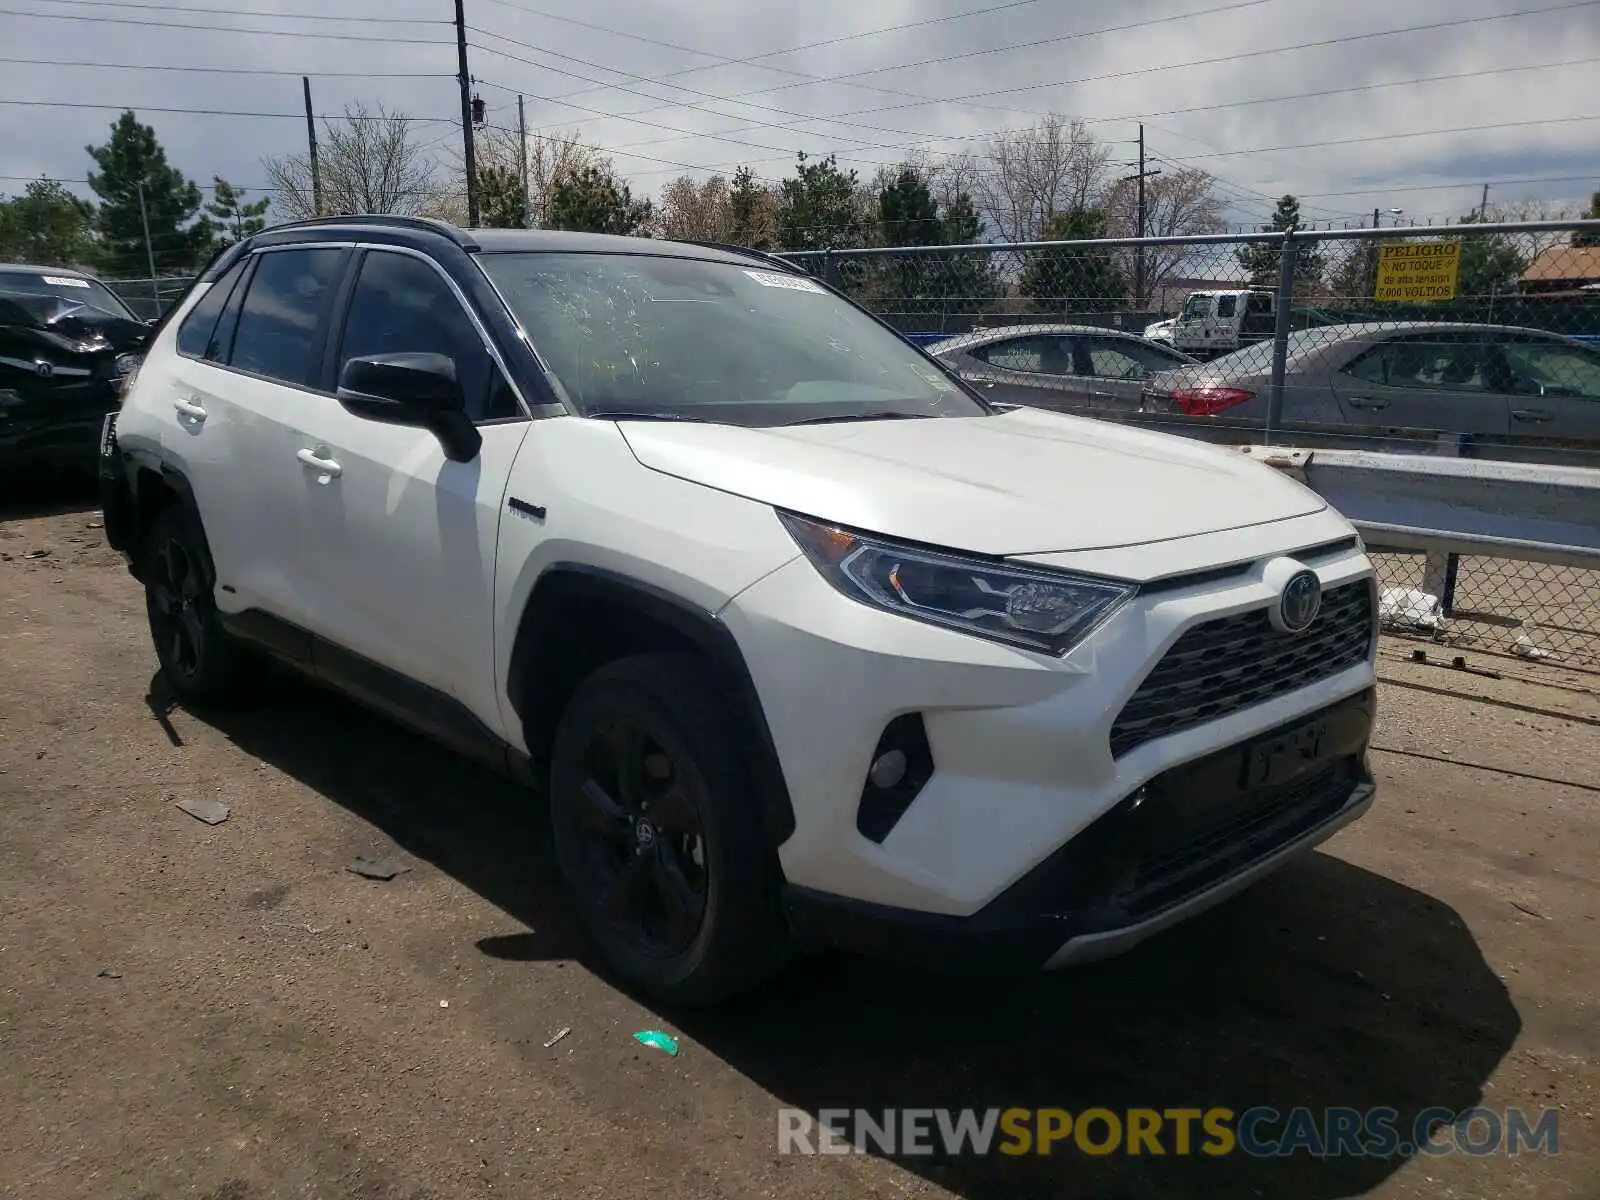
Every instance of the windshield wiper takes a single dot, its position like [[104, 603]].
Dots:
[[836, 418], [624, 414]]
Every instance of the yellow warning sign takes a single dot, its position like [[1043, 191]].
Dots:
[[1417, 271]]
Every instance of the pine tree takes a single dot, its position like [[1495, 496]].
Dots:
[[235, 219], [592, 199], [820, 207], [130, 160], [500, 197], [967, 281], [46, 225], [1260, 261], [1074, 279], [753, 211]]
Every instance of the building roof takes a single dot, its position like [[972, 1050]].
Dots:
[[1560, 263]]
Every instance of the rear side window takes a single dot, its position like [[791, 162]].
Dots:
[[278, 334], [195, 334]]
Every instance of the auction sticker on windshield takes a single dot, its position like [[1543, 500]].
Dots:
[[64, 281], [777, 279]]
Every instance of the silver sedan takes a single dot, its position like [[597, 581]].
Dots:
[[1492, 380], [1064, 367]]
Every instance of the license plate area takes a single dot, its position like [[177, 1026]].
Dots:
[[1285, 755]]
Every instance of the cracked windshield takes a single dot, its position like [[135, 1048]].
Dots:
[[648, 337]]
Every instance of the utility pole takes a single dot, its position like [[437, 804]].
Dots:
[[522, 159], [465, 79], [311, 140], [1141, 219], [1483, 205], [149, 250]]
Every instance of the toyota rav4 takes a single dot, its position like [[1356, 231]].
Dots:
[[805, 643]]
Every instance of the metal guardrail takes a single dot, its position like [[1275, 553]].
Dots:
[[1534, 512], [1500, 556]]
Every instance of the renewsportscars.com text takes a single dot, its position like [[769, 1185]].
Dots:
[[1259, 1132]]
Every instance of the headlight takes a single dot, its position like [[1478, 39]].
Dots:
[[1047, 611]]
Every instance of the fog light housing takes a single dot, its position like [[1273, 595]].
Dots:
[[902, 764]]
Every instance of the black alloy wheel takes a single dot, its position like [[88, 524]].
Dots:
[[643, 841]]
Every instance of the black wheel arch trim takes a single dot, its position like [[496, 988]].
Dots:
[[704, 630]]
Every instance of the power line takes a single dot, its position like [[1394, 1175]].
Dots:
[[632, 120], [1215, 60], [105, 66], [327, 37], [844, 79], [216, 112], [1386, 137], [1442, 187], [753, 59], [1137, 116], [248, 12]]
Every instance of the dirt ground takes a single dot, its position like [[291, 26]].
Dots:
[[225, 1012]]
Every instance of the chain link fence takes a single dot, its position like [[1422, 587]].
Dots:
[[1476, 340], [150, 298]]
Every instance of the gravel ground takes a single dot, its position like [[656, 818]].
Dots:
[[226, 1012]]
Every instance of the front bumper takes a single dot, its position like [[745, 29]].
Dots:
[[1021, 744], [1187, 840]]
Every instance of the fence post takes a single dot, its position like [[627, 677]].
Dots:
[[830, 270], [1280, 334]]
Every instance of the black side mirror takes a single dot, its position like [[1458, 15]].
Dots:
[[412, 389]]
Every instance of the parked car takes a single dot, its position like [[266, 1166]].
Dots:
[[66, 344], [1461, 378], [803, 639], [1072, 367]]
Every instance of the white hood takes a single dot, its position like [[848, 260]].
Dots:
[[1025, 482]]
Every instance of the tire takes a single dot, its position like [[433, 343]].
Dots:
[[687, 908], [200, 662]]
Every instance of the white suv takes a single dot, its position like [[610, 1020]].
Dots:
[[807, 643]]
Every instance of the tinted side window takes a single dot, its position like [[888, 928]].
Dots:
[[1257, 303], [1035, 355], [401, 305], [1547, 369], [1439, 362], [1227, 305], [282, 313], [195, 334], [1116, 358]]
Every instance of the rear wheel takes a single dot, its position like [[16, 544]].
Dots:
[[199, 660], [659, 836]]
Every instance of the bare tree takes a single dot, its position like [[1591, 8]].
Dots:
[[370, 162], [1028, 174], [690, 211], [1179, 203]]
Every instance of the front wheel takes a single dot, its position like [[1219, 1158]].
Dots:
[[199, 660], [659, 836]]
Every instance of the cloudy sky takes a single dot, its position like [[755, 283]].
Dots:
[[1351, 105]]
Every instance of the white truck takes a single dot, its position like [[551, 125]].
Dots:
[[1218, 322]]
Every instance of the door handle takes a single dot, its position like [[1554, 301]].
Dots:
[[190, 408], [1532, 414], [329, 467], [1364, 402]]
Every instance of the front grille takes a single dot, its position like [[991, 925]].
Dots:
[[1236, 662], [1206, 858]]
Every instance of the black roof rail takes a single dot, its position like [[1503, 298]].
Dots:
[[425, 224], [763, 255]]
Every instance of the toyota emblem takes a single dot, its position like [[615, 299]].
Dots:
[[1301, 601]]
